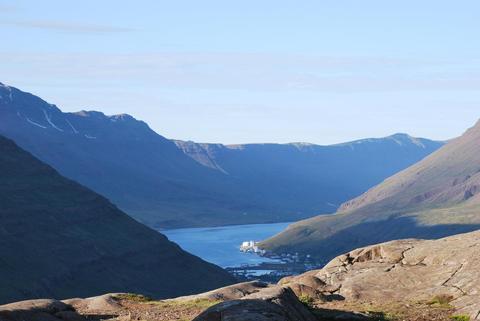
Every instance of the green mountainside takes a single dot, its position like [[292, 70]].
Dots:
[[436, 197]]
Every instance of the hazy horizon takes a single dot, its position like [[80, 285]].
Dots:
[[251, 72]]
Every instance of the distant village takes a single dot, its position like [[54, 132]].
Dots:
[[288, 264], [252, 247]]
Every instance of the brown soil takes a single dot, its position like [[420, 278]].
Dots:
[[146, 310]]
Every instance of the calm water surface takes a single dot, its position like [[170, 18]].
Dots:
[[220, 245]]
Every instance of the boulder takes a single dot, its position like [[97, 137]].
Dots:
[[38, 310], [103, 304], [270, 304], [232, 292]]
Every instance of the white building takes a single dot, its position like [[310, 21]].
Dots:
[[251, 247]]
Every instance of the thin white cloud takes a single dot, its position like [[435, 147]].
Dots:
[[63, 26], [7, 8], [252, 72]]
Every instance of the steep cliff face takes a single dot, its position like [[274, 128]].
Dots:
[[59, 239]]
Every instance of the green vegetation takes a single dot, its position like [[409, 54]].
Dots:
[[134, 297], [381, 316], [460, 317], [442, 300], [180, 306], [188, 304], [306, 300]]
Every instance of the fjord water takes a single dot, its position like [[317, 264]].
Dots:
[[220, 245]]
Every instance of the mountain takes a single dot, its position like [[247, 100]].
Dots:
[[119, 157], [307, 178], [436, 197], [167, 184], [59, 239]]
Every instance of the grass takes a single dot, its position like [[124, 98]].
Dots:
[[134, 297], [442, 300], [143, 308], [188, 304], [460, 317], [381, 316], [308, 301]]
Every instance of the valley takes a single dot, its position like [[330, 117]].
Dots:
[[293, 271], [239, 160], [167, 183]]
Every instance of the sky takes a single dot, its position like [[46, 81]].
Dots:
[[253, 71]]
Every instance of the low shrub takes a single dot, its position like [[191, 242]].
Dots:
[[306, 300], [441, 300], [134, 297]]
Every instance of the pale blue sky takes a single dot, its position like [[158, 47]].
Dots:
[[253, 70]]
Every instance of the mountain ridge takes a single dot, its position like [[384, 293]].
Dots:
[[168, 184]]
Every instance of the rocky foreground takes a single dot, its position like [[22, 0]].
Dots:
[[414, 280]]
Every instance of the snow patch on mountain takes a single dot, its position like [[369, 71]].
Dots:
[[9, 89], [49, 120], [75, 131], [34, 123]]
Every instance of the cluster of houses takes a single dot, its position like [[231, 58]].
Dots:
[[294, 258], [251, 247]]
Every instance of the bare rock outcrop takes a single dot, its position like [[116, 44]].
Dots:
[[270, 304], [39, 310], [232, 292], [412, 273], [250, 301], [403, 271], [107, 306]]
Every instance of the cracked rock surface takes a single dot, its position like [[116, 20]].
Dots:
[[402, 271]]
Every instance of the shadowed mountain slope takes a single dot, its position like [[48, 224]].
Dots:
[[177, 184], [311, 178], [59, 239], [436, 197], [119, 157]]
